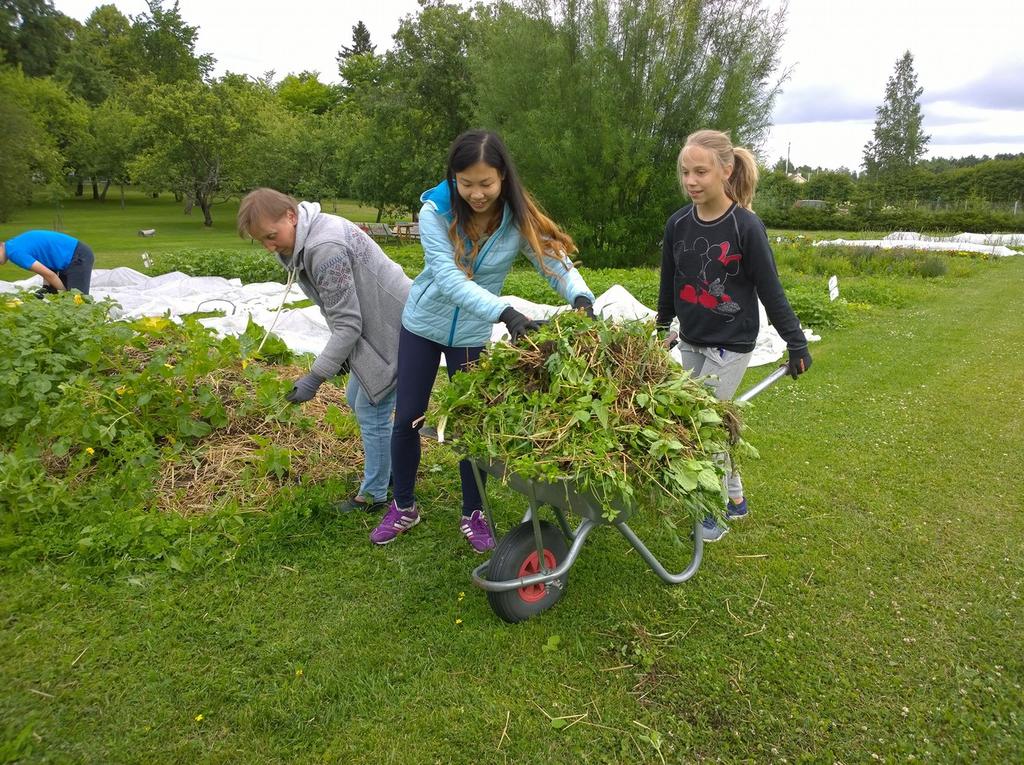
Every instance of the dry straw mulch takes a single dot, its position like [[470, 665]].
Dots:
[[224, 466]]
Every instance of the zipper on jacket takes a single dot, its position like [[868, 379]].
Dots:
[[451, 335], [476, 267]]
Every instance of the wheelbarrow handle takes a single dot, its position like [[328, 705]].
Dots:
[[767, 382]]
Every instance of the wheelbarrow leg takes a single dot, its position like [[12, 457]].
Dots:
[[537, 534], [655, 564], [483, 495]]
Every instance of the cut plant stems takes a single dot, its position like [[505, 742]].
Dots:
[[601, 405]]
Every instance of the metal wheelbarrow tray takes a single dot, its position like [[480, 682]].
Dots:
[[528, 571]]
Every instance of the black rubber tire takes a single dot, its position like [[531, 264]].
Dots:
[[510, 555]]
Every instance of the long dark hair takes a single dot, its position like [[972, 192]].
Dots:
[[545, 237]]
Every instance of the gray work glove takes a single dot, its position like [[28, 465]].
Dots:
[[305, 388]]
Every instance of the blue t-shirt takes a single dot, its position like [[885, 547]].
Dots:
[[50, 248]]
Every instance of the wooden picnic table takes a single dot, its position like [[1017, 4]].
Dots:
[[407, 231]]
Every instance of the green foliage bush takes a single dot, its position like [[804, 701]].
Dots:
[[250, 266], [898, 219], [814, 308], [88, 410]]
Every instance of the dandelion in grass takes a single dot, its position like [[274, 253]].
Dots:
[[458, 622], [298, 672], [121, 391], [198, 718], [90, 451]]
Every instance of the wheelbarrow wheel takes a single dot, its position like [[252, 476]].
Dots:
[[515, 556]]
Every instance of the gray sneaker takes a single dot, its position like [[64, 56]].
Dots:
[[711, 530]]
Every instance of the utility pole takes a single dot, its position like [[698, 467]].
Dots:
[[788, 144]]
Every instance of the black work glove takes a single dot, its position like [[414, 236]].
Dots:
[[345, 368], [799, 361], [517, 324], [305, 388], [582, 301]]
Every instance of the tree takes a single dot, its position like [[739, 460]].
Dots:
[[304, 92], [34, 35], [195, 139], [360, 44], [164, 46], [409, 105], [96, 60], [595, 100], [899, 140], [834, 186], [115, 137], [28, 154]]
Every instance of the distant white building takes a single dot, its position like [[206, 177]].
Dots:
[[797, 178]]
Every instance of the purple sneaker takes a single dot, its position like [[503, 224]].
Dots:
[[394, 522], [477, 531]]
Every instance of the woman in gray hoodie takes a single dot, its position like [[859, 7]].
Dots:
[[361, 293]]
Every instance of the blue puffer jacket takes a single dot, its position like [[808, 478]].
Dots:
[[451, 309]]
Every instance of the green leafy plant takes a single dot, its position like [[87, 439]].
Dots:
[[252, 266], [600, 405]]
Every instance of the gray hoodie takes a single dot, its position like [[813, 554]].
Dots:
[[361, 293]]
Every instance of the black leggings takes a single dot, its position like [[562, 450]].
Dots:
[[418, 360]]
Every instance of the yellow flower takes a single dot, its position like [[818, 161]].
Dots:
[[298, 672], [78, 300], [120, 391], [199, 718], [169, 366], [245, 363], [458, 621], [13, 303], [462, 596], [89, 450]]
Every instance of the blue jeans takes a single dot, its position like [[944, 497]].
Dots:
[[418, 361], [375, 424]]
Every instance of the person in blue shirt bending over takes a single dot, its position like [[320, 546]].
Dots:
[[64, 262], [473, 225]]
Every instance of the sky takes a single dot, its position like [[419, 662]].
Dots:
[[838, 56]]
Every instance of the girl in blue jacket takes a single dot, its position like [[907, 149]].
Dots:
[[472, 226]]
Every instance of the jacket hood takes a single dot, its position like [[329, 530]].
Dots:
[[440, 198], [307, 212]]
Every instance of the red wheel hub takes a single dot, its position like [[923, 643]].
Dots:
[[535, 592]]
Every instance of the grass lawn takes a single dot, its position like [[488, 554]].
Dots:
[[868, 610], [112, 231]]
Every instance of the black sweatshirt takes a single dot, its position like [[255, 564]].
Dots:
[[712, 274]]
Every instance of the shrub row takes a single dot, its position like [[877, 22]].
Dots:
[[251, 266], [947, 221]]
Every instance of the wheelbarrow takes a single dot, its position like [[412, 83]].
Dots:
[[528, 572]]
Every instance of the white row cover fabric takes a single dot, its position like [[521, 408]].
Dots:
[[1010, 240], [987, 244], [140, 295], [304, 330]]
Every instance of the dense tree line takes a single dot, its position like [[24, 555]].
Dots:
[[594, 98]]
